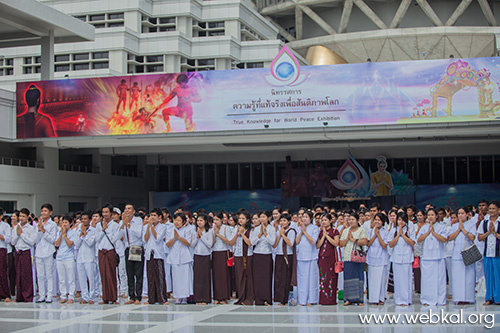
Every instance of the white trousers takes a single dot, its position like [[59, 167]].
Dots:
[[377, 283], [66, 271], [464, 282], [122, 277], [308, 282], [168, 274], [403, 287], [86, 272], [45, 277], [182, 280], [98, 284], [433, 290], [145, 280], [449, 274]]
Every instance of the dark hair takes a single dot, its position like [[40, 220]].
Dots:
[[122, 81], [219, 214], [496, 203], [202, 211], [328, 216], [433, 210], [7, 220], [310, 214], [278, 208], [382, 218], [355, 215], [69, 218], [466, 209], [248, 225], [204, 217], [404, 217], [375, 205], [98, 212], [285, 216], [484, 201], [267, 213], [32, 95], [25, 211], [129, 204], [108, 206], [1, 211], [87, 213], [157, 211], [412, 207], [182, 216], [48, 206], [316, 206]]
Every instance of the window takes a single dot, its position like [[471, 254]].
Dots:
[[81, 67], [437, 170], [100, 65], [206, 62], [82, 18], [487, 169], [99, 17], [212, 25], [255, 65], [462, 177], [38, 69], [9, 62], [8, 206], [100, 26], [167, 20], [100, 55], [61, 57], [158, 58], [77, 206], [154, 68], [62, 68], [81, 56], [449, 170], [474, 170], [167, 29], [38, 60], [27, 70], [423, 171], [114, 25], [27, 60], [115, 16]]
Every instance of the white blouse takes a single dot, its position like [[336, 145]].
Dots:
[[203, 245], [402, 252], [264, 245]]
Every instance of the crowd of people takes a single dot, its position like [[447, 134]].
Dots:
[[316, 256]]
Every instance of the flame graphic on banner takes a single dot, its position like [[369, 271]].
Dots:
[[348, 177], [285, 70]]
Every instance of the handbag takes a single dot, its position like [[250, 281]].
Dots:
[[416, 263], [230, 260], [471, 254], [339, 264], [358, 256]]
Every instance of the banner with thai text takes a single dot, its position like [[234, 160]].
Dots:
[[284, 96]]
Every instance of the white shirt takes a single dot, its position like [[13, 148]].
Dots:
[[460, 241], [86, 246], [112, 232], [120, 244], [230, 233], [306, 250], [45, 241], [134, 233], [492, 240], [202, 246], [238, 246], [433, 249], [154, 244], [64, 252], [402, 252], [264, 245], [219, 244], [6, 232], [292, 234], [26, 240], [179, 253], [376, 255]]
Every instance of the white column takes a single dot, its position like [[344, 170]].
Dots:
[[48, 56]]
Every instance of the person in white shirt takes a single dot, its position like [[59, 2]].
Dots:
[[285, 265], [377, 258], [85, 244], [220, 254], [462, 234], [134, 253], [154, 234], [489, 232], [482, 214], [23, 238], [5, 237], [263, 259], [96, 223], [65, 260], [120, 250], [307, 261], [44, 254], [179, 240], [107, 236], [402, 241], [432, 265], [202, 274]]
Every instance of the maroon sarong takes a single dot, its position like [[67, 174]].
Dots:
[[24, 276], [107, 268], [157, 287], [221, 276], [263, 278], [4, 279], [12, 273], [244, 280], [282, 278], [202, 281]]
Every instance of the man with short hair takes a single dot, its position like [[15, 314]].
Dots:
[[107, 235], [133, 227], [85, 260], [44, 254], [120, 249]]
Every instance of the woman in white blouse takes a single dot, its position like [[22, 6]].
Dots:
[[220, 254], [377, 258], [462, 234], [403, 239], [202, 245]]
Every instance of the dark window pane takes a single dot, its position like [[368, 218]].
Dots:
[[424, 171], [206, 62], [100, 65], [233, 176], [221, 177], [209, 177], [27, 60], [411, 168], [62, 68], [497, 169], [462, 170], [61, 57], [449, 170], [27, 70], [82, 18], [176, 178], [9, 62], [257, 175], [100, 26], [437, 170], [154, 68], [487, 169], [474, 169], [157, 58], [99, 17], [245, 176], [198, 177], [167, 20], [186, 178], [397, 163], [115, 16], [269, 175], [81, 67], [255, 65], [114, 25], [100, 55], [167, 29], [38, 60], [81, 56], [38, 69]]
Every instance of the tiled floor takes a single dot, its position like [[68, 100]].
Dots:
[[22, 317]]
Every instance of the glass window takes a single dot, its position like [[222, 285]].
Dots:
[[81, 56], [216, 33], [474, 170], [462, 177], [27, 60], [269, 175], [423, 171], [154, 68], [82, 18], [139, 59], [255, 65], [186, 180], [38, 60], [9, 71], [27, 70], [115, 16], [152, 20], [114, 25], [397, 163], [213, 25], [8, 206], [449, 170], [487, 169], [245, 176], [206, 62], [221, 170], [99, 17], [157, 58], [176, 178], [209, 177], [153, 29], [62, 68], [9, 62], [139, 69], [167, 20], [38, 69], [497, 169], [100, 55], [233, 176], [61, 57], [81, 67], [198, 177], [100, 26], [163, 29], [437, 170], [257, 176], [100, 65]]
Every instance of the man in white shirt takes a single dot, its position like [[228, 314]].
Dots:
[[23, 238], [133, 227], [85, 259], [120, 249], [5, 236], [44, 254]]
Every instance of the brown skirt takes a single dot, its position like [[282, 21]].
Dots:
[[12, 273], [263, 278], [244, 280], [221, 276], [157, 287], [202, 279], [24, 276], [4, 279], [107, 268], [282, 278]]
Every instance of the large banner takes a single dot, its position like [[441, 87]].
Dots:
[[283, 96]]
